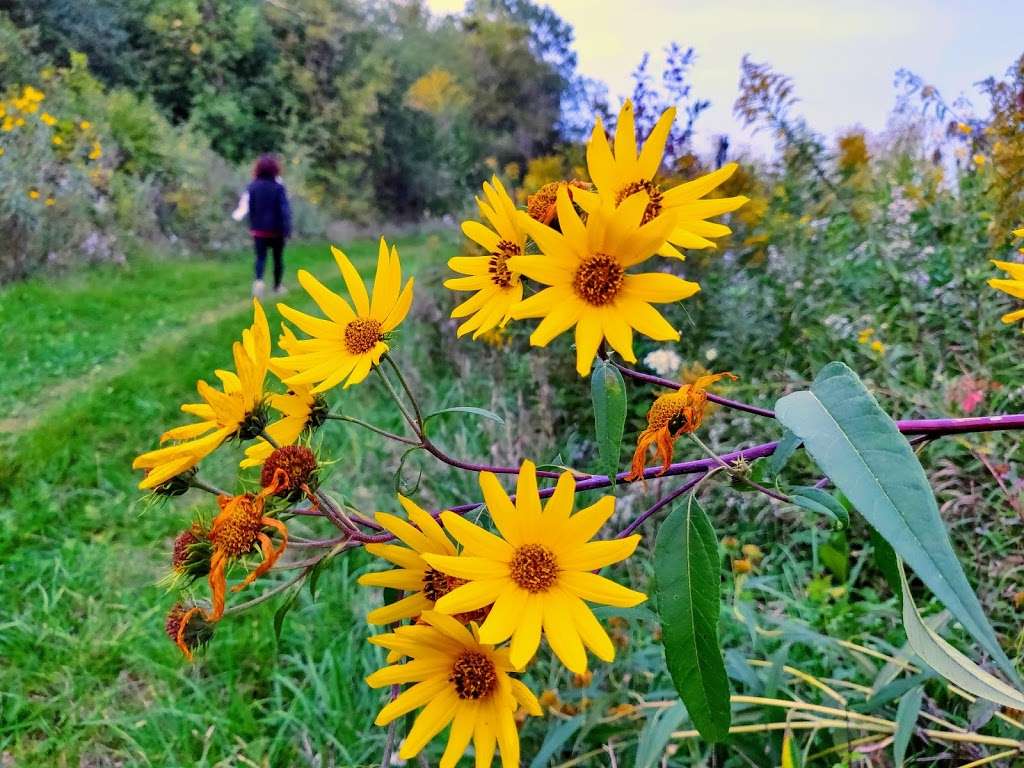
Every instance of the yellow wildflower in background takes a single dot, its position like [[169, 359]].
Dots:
[[584, 267], [50, 202], [348, 344], [48, 119], [96, 152], [627, 173], [85, 125], [964, 128], [867, 336], [537, 572], [33, 194], [237, 411], [459, 680], [497, 288], [57, 141], [29, 100], [1013, 285], [979, 160]]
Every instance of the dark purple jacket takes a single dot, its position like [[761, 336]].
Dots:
[[269, 212]]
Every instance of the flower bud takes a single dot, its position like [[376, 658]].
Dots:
[[192, 551], [177, 485]]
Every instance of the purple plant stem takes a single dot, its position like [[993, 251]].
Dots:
[[660, 504], [931, 427], [736, 405]]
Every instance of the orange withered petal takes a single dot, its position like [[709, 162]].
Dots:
[[671, 415]]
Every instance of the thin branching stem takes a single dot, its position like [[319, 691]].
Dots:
[[416, 428], [269, 593], [372, 428], [732, 470], [202, 485], [735, 405], [660, 504], [405, 386]]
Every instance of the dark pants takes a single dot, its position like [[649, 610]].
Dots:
[[276, 245]]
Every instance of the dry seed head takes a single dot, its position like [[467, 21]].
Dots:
[[192, 552], [197, 632], [653, 194], [297, 465]]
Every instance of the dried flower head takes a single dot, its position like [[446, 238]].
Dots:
[[188, 628], [672, 415], [291, 469], [542, 204]]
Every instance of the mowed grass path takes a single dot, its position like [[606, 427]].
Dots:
[[95, 367]]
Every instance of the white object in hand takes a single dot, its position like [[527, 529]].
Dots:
[[242, 210]]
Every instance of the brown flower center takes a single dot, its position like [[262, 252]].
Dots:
[[534, 568], [497, 265], [436, 584], [598, 280], [473, 675], [361, 335], [653, 194], [235, 532]]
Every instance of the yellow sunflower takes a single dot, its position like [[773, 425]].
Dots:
[[538, 572], [237, 411], [497, 287], [585, 266], [349, 343], [627, 173], [1014, 285], [300, 410], [422, 535], [458, 680]]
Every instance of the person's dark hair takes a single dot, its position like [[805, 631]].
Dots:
[[267, 167]]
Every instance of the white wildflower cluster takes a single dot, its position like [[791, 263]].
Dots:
[[664, 361]]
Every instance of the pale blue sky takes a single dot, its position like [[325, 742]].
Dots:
[[842, 54]]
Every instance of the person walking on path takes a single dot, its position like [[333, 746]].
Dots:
[[270, 220]]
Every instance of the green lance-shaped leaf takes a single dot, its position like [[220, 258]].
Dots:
[[861, 450], [822, 503], [483, 413], [608, 391], [906, 717], [948, 661], [688, 588]]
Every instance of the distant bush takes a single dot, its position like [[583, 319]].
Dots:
[[89, 174]]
